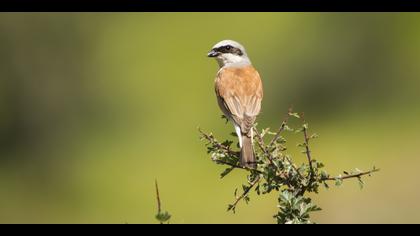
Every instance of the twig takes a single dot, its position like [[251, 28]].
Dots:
[[217, 144], [233, 205], [158, 197], [237, 166], [262, 146], [351, 176], [259, 140], [308, 155], [270, 158], [283, 125], [293, 166], [308, 151], [254, 170]]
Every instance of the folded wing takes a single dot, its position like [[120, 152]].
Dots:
[[240, 93]]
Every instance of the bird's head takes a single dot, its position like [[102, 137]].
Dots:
[[229, 53]]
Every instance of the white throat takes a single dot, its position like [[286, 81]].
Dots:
[[232, 60]]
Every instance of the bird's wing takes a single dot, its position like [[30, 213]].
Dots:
[[240, 93]]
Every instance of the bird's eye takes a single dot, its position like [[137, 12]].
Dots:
[[228, 47]]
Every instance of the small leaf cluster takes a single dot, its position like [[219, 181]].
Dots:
[[294, 209], [163, 217]]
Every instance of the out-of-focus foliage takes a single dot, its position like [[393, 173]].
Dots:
[[95, 106]]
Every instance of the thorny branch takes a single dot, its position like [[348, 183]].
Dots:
[[158, 197], [307, 150], [349, 176], [282, 127], [260, 142], [262, 146], [260, 139], [276, 171], [211, 139], [232, 206]]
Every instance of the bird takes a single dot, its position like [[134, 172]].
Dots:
[[239, 93]]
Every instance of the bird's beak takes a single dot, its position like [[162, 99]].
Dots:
[[212, 53]]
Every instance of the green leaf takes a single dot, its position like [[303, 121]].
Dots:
[[294, 114], [225, 118], [231, 207], [324, 174], [361, 183], [281, 140], [245, 187], [227, 143], [265, 131], [320, 165], [338, 181], [287, 128], [246, 199], [299, 130], [301, 145], [257, 189], [226, 172], [313, 136]]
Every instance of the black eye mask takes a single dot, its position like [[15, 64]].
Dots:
[[230, 49]]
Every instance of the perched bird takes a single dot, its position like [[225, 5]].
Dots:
[[239, 93]]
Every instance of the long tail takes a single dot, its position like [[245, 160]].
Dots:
[[247, 152]]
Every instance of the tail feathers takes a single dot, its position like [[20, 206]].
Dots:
[[247, 153]]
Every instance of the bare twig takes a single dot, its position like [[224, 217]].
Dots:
[[358, 175], [308, 155], [307, 150], [158, 198], [244, 194], [282, 127]]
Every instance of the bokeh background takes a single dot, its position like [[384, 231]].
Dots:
[[95, 106]]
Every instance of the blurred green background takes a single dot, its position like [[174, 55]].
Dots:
[[95, 106]]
